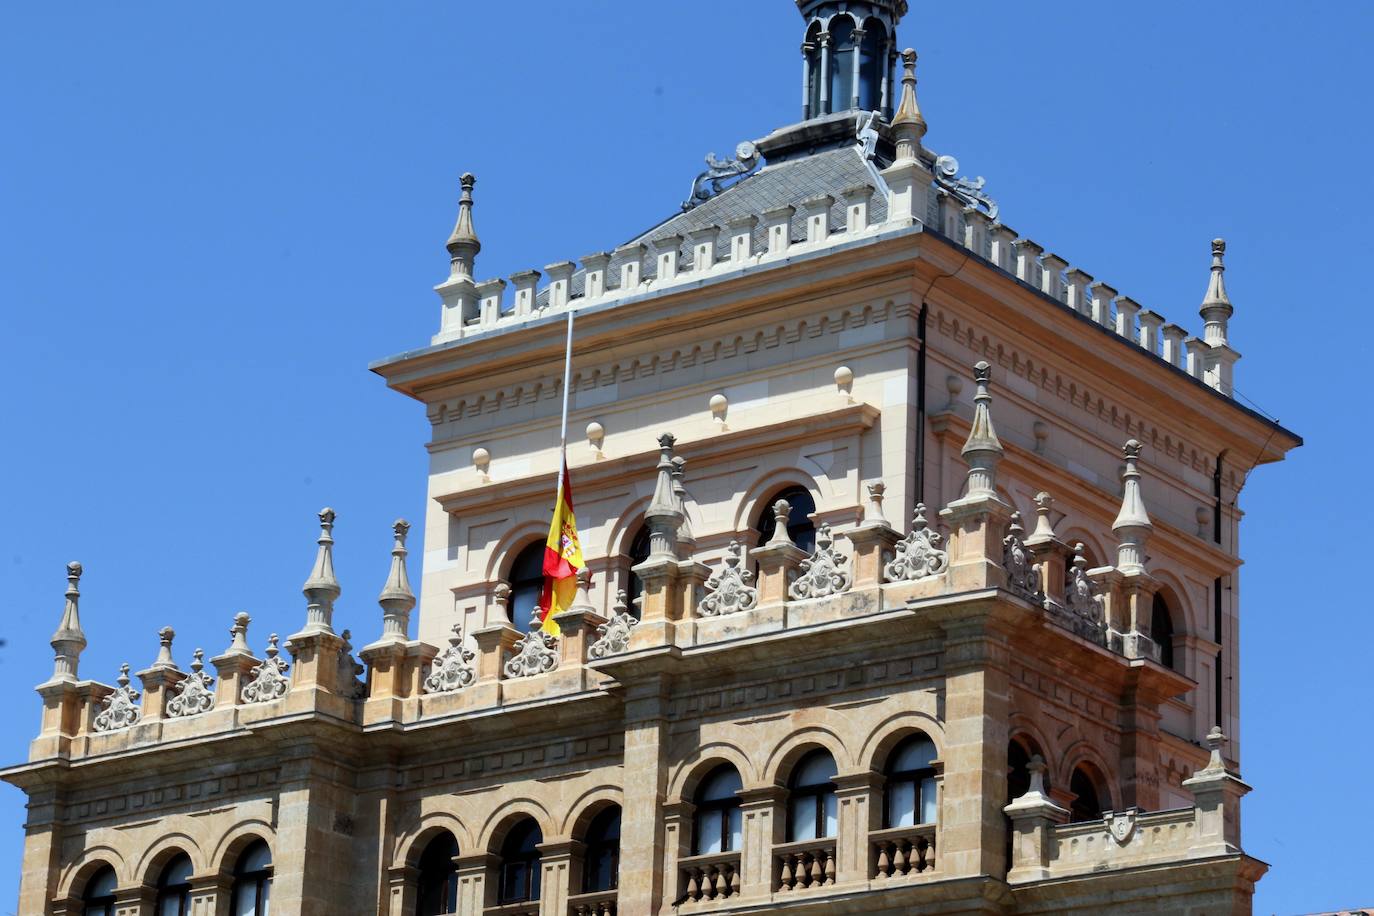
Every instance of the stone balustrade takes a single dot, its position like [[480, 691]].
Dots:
[[599, 903], [899, 852], [527, 908], [810, 863], [709, 877]]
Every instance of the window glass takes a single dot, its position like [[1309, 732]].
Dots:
[[901, 804], [911, 796], [841, 63], [812, 807], [526, 583], [174, 888], [520, 863], [639, 552], [603, 851], [1162, 630], [438, 877], [799, 525], [718, 817]]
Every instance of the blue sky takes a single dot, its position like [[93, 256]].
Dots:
[[213, 216]]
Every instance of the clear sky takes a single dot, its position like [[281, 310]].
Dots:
[[212, 216]]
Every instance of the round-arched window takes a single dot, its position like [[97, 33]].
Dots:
[[438, 877], [872, 62], [252, 892], [1087, 802], [601, 866], [520, 862], [526, 579], [842, 53], [98, 899], [1162, 630], [719, 824], [639, 552], [812, 809], [174, 888], [910, 794], [799, 525]]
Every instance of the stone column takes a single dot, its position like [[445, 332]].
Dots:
[[1216, 799], [475, 890], [976, 713], [859, 798], [402, 890], [677, 845], [561, 863], [135, 901], [643, 865], [762, 813], [1033, 819], [210, 894], [312, 860], [41, 863]]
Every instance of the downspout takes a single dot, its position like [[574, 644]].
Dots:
[[1216, 596]]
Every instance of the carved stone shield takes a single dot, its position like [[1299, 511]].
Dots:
[[1121, 825]]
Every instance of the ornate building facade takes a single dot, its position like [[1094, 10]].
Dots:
[[911, 586]]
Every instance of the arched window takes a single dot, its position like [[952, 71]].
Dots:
[[252, 881], [1087, 804], [719, 825], [174, 888], [1162, 630], [99, 897], [601, 867], [872, 60], [799, 525], [438, 877], [842, 53], [520, 866], [812, 810], [526, 583], [910, 796], [639, 552]]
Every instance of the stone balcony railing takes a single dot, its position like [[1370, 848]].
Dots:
[[899, 852], [597, 903], [807, 864], [524, 908], [715, 876]]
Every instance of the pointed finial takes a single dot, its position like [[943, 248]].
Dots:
[[1216, 305], [781, 510], [1132, 525], [1036, 768], [238, 635], [873, 510], [272, 650], [396, 599], [537, 619], [68, 640], [164, 648], [1215, 742], [622, 603], [684, 530], [500, 596], [908, 125], [1080, 557], [662, 515], [982, 450], [463, 244], [198, 660], [582, 601], [918, 518], [1044, 528], [123, 679], [322, 589]]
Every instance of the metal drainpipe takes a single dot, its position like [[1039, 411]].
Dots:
[[1216, 595], [921, 406]]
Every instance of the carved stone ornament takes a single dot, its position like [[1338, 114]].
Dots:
[[534, 653], [823, 573], [121, 707], [194, 693], [269, 679], [1121, 825], [968, 190], [452, 668], [1022, 577], [349, 669], [919, 554], [614, 634], [718, 171], [1081, 601], [728, 590]]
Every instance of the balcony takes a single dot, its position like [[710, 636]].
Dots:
[[900, 852], [810, 863], [597, 903], [710, 877]]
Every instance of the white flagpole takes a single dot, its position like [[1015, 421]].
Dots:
[[563, 432]]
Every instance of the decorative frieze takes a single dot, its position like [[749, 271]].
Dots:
[[920, 554], [120, 709], [729, 589], [195, 693], [269, 681], [824, 573], [534, 653], [452, 669]]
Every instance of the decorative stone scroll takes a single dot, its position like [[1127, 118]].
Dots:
[[120, 709], [534, 653], [1023, 578], [728, 590], [614, 634], [1082, 602], [269, 679], [919, 554], [452, 669], [823, 573], [349, 669], [194, 693]]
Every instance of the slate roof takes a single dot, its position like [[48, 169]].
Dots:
[[789, 182]]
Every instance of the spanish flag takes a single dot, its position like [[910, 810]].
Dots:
[[562, 556]]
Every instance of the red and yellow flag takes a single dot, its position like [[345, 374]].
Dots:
[[562, 557]]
